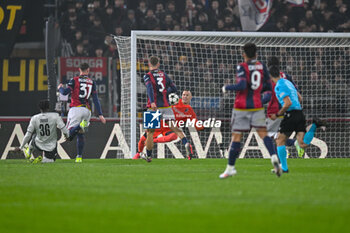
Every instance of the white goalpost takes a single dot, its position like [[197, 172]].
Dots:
[[204, 61]]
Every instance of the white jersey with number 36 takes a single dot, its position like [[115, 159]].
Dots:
[[45, 125]]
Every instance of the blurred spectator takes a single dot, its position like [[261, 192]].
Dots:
[[129, 23], [109, 19], [111, 51], [119, 11], [118, 31], [184, 25], [98, 52], [214, 13], [80, 51], [171, 9], [151, 22], [96, 32], [141, 12], [160, 12], [189, 10], [168, 23]]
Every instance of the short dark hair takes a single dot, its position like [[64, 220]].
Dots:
[[274, 71], [84, 66], [153, 60], [273, 61], [250, 50], [44, 105]]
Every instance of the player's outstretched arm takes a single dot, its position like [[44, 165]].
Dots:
[[98, 107], [102, 119], [240, 86], [64, 91], [28, 135], [60, 124]]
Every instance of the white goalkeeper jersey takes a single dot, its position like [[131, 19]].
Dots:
[[45, 125]]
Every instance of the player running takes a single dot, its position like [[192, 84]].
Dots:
[[294, 119], [274, 106], [182, 111], [81, 88], [159, 85], [42, 135], [252, 79]]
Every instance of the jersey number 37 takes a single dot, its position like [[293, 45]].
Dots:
[[85, 90]]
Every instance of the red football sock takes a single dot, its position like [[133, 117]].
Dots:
[[167, 138], [142, 143]]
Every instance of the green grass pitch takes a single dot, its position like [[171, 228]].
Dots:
[[174, 196]]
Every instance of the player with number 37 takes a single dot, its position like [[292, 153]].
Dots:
[[81, 88]]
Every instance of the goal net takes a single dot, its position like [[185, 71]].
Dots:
[[203, 62]]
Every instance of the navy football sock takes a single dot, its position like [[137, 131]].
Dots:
[[269, 145], [149, 153], [80, 144], [290, 142], [74, 131], [233, 153]]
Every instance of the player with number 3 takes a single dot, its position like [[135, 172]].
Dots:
[[159, 85], [252, 80], [81, 88]]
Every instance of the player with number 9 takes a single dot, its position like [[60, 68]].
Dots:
[[252, 80], [81, 89]]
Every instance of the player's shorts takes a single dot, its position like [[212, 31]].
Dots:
[[48, 154], [273, 126], [76, 115], [293, 121], [244, 120]]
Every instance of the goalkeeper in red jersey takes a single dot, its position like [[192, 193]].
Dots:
[[182, 111]]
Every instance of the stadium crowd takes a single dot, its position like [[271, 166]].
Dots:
[[85, 23]]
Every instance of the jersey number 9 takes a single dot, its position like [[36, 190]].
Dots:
[[255, 79]]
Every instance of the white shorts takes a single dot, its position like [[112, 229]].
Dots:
[[273, 126], [76, 115], [245, 120]]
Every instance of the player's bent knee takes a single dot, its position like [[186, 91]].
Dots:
[[150, 131]]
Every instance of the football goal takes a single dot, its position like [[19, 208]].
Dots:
[[203, 62]]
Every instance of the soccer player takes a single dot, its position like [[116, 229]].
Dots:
[[252, 80], [182, 111], [81, 88], [41, 134], [294, 119], [158, 86], [274, 106]]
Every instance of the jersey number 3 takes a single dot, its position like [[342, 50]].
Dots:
[[160, 83], [85, 90], [255, 79]]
